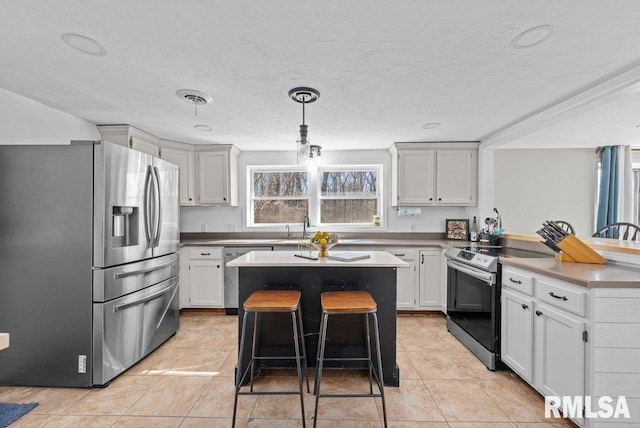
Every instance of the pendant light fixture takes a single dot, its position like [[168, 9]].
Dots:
[[306, 151]]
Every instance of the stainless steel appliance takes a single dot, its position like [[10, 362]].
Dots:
[[88, 261], [231, 276], [473, 298]]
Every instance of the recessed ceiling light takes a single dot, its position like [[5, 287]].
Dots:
[[203, 128], [432, 125], [84, 44], [533, 36]]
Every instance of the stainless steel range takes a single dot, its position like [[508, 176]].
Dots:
[[473, 298]]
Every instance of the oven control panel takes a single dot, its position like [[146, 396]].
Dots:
[[473, 258]]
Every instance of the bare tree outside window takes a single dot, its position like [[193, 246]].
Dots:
[[279, 196], [337, 195], [348, 196]]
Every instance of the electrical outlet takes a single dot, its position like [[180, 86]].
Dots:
[[413, 227], [203, 227], [231, 228]]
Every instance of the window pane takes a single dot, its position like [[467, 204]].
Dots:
[[274, 183], [344, 183], [348, 210], [280, 211]]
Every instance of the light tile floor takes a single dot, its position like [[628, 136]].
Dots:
[[188, 382]]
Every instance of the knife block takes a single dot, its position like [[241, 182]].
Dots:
[[574, 250]]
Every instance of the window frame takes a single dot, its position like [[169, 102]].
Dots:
[[343, 168], [250, 191], [314, 194]]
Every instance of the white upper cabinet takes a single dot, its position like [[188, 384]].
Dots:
[[131, 137], [456, 177], [182, 156], [217, 175], [415, 177], [434, 174]]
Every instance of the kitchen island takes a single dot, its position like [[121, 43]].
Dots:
[[284, 270]]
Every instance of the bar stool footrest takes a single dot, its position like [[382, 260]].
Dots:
[[270, 393], [349, 395]]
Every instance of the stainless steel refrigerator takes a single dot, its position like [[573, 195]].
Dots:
[[89, 235]]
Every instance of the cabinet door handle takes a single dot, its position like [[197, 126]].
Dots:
[[399, 255], [205, 254], [515, 281], [439, 199], [218, 266], [538, 313], [558, 297], [525, 306], [431, 199], [422, 259]]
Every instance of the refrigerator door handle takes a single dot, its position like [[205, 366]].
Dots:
[[147, 206], [158, 198], [166, 308], [119, 275], [145, 299]]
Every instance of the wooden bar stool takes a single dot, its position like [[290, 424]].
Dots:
[[349, 303], [272, 301]]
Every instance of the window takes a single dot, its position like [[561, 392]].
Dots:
[[348, 195], [329, 195], [278, 196], [635, 164]]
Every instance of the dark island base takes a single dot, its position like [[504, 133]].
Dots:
[[345, 332]]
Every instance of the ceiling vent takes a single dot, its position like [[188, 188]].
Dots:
[[194, 97]]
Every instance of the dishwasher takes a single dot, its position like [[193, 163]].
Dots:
[[231, 276]]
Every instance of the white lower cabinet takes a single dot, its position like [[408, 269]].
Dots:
[[559, 352], [429, 290], [202, 284], [517, 333], [407, 279], [544, 341]]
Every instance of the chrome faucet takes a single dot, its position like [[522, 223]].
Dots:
[[288, 233], [305, 224]]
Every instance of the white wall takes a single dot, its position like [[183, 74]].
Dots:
[[218, 219], [534, 185], [24, 121]]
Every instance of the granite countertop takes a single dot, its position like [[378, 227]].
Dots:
[[289, 259], [584, 274], [249, 242]]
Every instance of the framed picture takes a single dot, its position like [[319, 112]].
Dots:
[[458, 229]]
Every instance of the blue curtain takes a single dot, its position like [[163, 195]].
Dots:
[[609, 186]]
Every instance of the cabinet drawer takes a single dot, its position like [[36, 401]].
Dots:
[[205, 253], [517, 280], [561, 296], [402, 253]]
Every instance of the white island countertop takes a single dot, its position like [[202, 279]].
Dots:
[[288, 258]]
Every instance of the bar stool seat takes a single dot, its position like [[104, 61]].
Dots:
[[264, 302], [335, 303]]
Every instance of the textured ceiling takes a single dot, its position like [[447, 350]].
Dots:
[[383, 68]]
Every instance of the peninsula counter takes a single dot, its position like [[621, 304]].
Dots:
[[283, 270]]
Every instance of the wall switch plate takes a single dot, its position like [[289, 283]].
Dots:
[[231, 228], [203, 227]]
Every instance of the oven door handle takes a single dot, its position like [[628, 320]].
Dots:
[[488, 277]]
